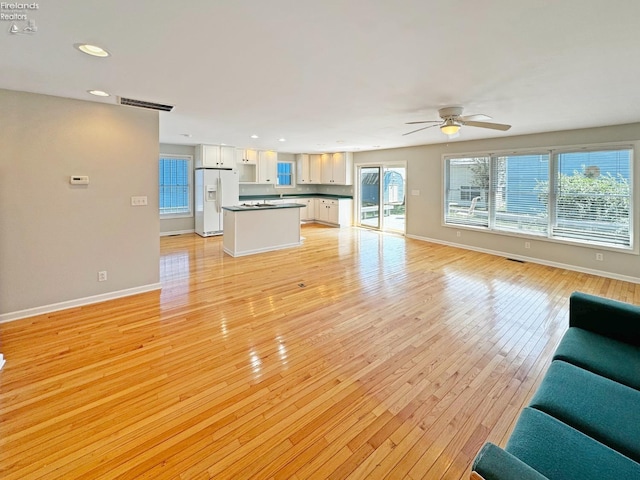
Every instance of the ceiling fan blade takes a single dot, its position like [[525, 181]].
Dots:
[[425, 121], [423, 128], [493, 126], [478, 117]]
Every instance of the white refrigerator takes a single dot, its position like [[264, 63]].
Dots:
[[215, 188]]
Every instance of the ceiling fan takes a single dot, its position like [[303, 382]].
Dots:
[[452, 120]]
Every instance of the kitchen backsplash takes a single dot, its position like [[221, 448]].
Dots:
[[247, 189]]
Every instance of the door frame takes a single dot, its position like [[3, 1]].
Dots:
[[358, 193]]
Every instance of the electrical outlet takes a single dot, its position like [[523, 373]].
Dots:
[[458, 233], [139, 201], [527, 244], [102, 276], [600, 257]]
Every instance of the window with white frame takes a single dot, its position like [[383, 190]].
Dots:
[[175, 184], [575, 195], [285, 174]]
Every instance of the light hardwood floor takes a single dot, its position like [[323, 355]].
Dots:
[[357, 355]]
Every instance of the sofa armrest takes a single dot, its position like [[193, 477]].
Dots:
[[493, 463], [611, 318]]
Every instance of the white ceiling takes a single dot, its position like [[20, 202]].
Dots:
[[332, 75]]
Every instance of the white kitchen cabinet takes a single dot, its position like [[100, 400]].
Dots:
[[334, 212], [215, 156], [302, 169], [326, 163], [337, 168], [267, 167], [309, 168], [308, 211], [247, 165], [250, 156], [315, 168], [227, 157], [207, 156]]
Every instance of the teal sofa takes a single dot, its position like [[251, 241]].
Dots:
[[583, 422]]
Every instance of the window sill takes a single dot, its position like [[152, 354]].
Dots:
[[169, 216], [544, 238]]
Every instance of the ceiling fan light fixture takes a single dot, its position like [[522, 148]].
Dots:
[[450, 127], [93, 50]]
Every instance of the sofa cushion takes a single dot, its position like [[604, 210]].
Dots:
[[610, 358], [600, 408], [612, 318], [560, 452]]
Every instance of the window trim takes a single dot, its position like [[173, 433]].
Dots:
[[189, 158], [554, 152], [293, 175]]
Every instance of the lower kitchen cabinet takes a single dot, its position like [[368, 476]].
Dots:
[[308, 212], [334, 212], [328, 211]]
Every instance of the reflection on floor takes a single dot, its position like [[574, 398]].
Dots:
[[356, 355]]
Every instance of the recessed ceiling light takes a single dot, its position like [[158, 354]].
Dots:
[[92, 50], [254, 136], [282, 139], [98, 93], [188, 135]]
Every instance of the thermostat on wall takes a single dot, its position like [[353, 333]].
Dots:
[[79, 180]]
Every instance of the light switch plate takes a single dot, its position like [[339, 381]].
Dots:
[[139, 201]]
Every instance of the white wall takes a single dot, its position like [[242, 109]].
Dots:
[[55, 237], [424, 211]]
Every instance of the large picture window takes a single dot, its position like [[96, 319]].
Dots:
[[580, 195], [175, 196]]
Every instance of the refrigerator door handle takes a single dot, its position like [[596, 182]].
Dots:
[[219, 196]]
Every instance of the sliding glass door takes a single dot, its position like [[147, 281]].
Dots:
[[381, 197], [369, 204]]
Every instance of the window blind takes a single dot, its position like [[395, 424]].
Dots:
[[520, 187], [174, 186], [593, 196], [583, 195], [467, 191]]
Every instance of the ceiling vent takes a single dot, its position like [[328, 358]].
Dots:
[[142, 104]]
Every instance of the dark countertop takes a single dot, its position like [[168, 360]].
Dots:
[[262, 206], [293, 195]]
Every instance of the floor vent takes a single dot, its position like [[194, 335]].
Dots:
[[142, 104]]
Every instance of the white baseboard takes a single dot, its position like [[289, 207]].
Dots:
[[54, 307], [177, 232], [574, 268], [2, 361]]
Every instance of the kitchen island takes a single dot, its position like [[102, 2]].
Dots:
[[250, 229]]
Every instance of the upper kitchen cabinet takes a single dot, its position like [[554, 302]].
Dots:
[[309, 168], [267, 167], [228, 157], [215, 156], [250, 156], [337, 168], [247, 165]]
